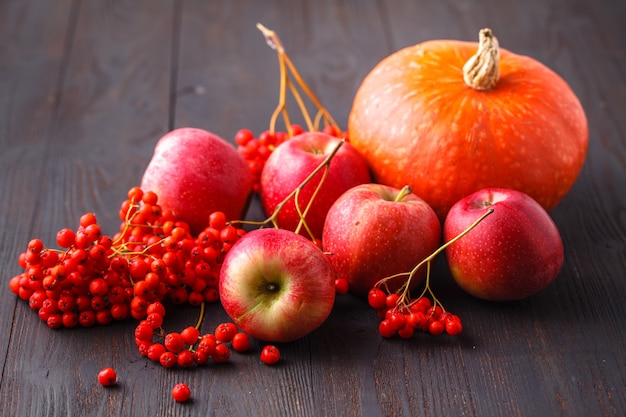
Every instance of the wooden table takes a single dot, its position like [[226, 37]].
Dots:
[[87, 88]]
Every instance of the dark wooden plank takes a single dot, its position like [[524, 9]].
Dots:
[[30, 69], [107, 66], [115, 104]]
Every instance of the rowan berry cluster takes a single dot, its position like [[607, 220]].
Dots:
[[95, 279], [256, 150], [401, 318], [401, 314], [188, 347]]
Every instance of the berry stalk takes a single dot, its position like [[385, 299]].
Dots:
[[286, 68], [401, 314], [324, 165], [404, 290]]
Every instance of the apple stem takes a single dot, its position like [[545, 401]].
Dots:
[[404, 290], [286, 66], [406, 190]]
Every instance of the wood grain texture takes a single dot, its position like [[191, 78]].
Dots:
[[88, 87], [29, 74]]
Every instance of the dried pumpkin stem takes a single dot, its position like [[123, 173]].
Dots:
[[481, 71]]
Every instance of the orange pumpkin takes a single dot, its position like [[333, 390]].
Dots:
[[449, 117]]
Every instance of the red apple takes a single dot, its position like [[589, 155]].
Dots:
[[194, 173], [513, 253], [374, 231], [276, 285], [293, 161]]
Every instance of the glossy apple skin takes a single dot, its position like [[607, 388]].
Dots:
[[194, 173], [276, 285], [369, 236], [293, 161], [514, 253]]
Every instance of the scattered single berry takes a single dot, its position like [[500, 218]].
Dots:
[[241, 342], [270, 355], [342, 286], [181, 392], [107, 377]]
